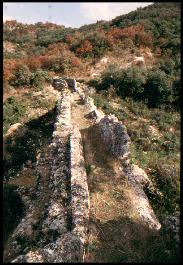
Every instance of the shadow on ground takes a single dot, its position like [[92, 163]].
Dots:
[[120, 239], [26, 142], [21, 146], [96, 155], [124, 240]]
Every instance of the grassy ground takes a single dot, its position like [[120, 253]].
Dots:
[[35, 110], [155, 135], [116, 234]]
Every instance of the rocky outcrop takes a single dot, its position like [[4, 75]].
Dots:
[[68, 248], [66, 214], [138, 179], [95, 114], [13, 128], [59, 83], [115, 136]]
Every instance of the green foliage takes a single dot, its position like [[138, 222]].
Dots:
[[156, 26], [157, 89], [161, 19], [45, 37], [13, 111], [132, 83], [128, 82], [100, 43], [168, 183], [167, 65], [88, 168], [38, 79], [153, 87], [23, 76]]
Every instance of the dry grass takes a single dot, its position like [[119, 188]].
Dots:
[[115, 232]]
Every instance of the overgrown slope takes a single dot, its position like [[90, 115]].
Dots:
[[146, 98]]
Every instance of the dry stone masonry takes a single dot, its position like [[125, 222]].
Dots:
[[79, 186], [57, 211], [67, 212], [114, 134], [68, 208]]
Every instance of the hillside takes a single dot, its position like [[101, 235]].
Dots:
[[128, 67], [66, 50]]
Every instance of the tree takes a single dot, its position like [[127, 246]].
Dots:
[[131, 83], [157, 90]]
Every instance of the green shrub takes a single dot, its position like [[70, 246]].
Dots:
[[13, 111], [110, 77], [23, 76], [128, 82], [131, 83], [167, 65], [157, 90], [38, 79]]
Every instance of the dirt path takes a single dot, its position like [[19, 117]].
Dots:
[[115, 235]]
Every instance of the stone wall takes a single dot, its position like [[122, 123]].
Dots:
[[114, 134], [67, 212], [79, 186]]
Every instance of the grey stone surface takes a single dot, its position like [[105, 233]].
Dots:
[[57, 211], [79, 187], [59, 83], [69, 188], [118, 142], [68, 248], [67, 167], [115, 136], [171, 226]]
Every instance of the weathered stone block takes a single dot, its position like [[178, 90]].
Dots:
[[115, 136]]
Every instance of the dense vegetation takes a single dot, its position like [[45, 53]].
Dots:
[[154, 87], [63, 50], [146, 96]]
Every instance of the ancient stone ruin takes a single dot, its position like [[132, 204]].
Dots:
[[63, 83], [67, 213], [115, 136]]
